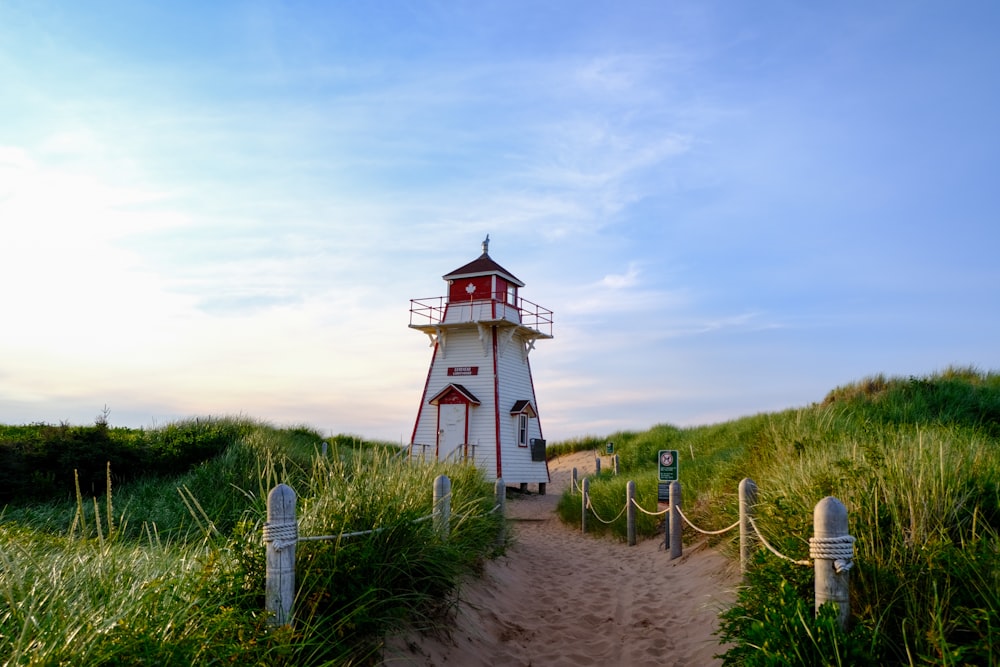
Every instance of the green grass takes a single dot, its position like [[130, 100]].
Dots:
[[917, 463], [170, 570], [142, 567]]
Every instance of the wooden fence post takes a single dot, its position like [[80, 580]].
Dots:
[[748, 498], [597, 465], [616, 465], [442, 506], [832, 551], [500, 491], [575, 482], [675, 520], [281, 533], [630, 510], [584, 490]]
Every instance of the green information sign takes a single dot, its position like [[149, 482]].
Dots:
[[609, 448], [667, 458]]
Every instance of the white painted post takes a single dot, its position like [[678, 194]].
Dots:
[[675, 520], [281, 534], [442, 506], [748, 498], [830, 536], [630, 510], [584, 491]]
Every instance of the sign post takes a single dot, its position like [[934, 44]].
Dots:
[[667, 461]]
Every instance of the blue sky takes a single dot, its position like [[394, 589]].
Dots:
[[224, 208]]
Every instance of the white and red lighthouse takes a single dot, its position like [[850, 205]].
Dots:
[[479, 398]]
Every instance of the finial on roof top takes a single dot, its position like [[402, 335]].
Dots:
[[486, 245]]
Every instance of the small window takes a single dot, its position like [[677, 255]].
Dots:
[[522, 430], [511, 295]]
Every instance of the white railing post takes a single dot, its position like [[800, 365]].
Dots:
[[280, 537], [675, 520], [630, 510], [442, 506], [832, 551], [748, 498]]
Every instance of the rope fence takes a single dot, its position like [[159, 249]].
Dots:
[[831, 548], [705, 532], [281, 535], [768, 546]]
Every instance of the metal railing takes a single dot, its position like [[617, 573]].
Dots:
[[431, 311]]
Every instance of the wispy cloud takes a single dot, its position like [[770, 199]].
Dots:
[[619, 281]]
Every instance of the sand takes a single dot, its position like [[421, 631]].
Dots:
[[562, 598]]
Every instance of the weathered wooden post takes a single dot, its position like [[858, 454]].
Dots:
[[629, 510], [675, 520], [500, 491], [666, 531], [616, 464], [584, 491], [597, 465], [748, 498], [832, 549], [575, 483], [442, 506], [281, 534]]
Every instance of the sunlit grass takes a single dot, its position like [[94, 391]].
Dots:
[[170, 571], [917, 463]]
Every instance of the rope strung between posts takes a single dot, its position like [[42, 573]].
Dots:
[[591, 508], [772, 549], [466, 516], [838, 549], [287, 534], [706, 532], [284, 535], [646, 511]]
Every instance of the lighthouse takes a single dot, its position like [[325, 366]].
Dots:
[[478, 403]]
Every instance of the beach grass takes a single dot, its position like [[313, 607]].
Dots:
[[169, 570], [917, 463]]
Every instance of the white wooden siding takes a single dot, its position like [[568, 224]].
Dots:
[[463, 347], [515, 385]]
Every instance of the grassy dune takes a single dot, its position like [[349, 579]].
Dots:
[[170, 570], [917, 463], [135, 567]]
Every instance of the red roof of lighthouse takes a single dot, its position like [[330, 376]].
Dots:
[[483, 266]]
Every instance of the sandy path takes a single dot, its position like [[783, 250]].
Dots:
[[562, 598]]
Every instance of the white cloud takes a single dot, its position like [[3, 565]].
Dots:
[[619, 281]]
